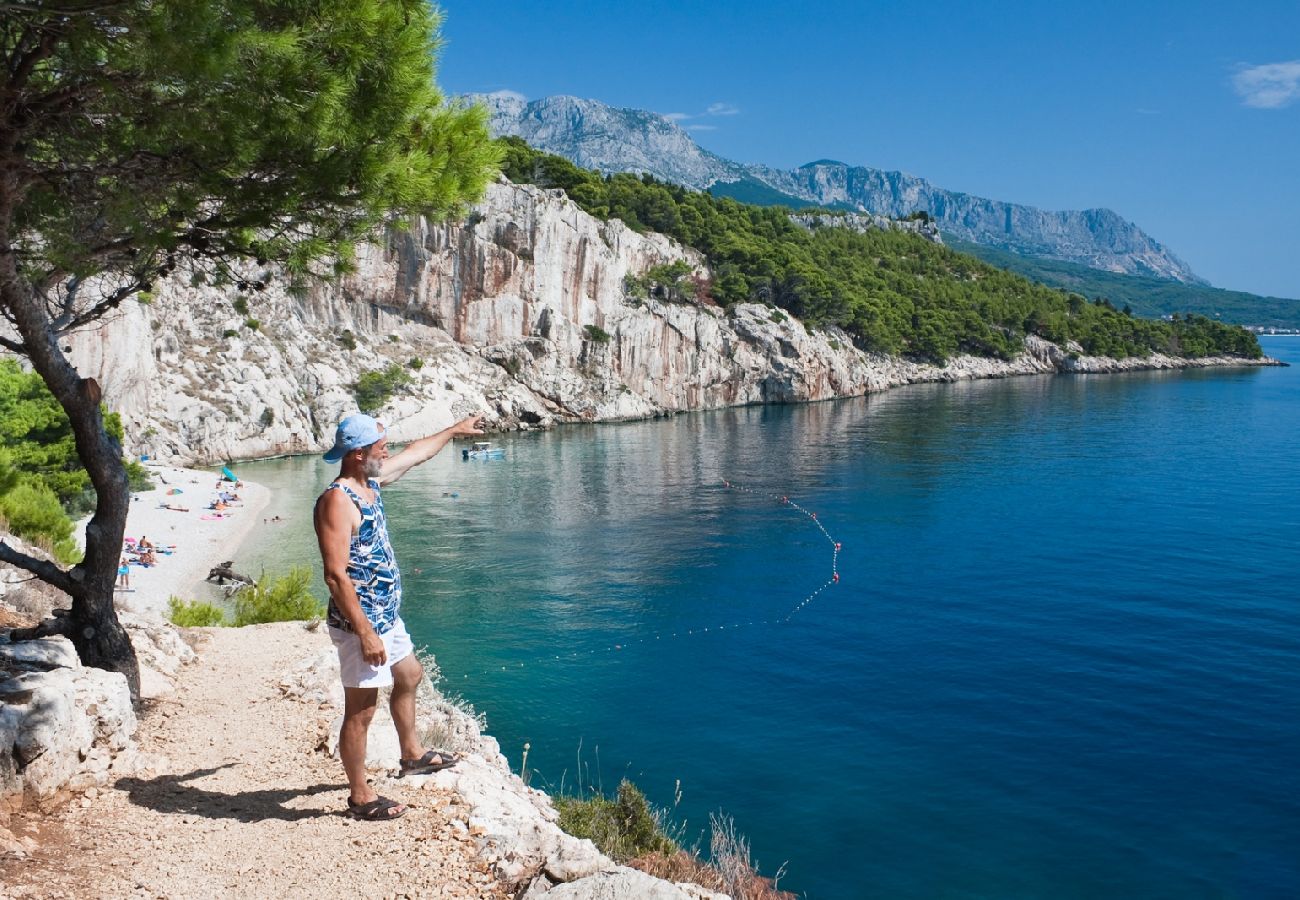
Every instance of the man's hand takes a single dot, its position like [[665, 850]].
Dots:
[[372, 649], [467, 427], [425, 449]]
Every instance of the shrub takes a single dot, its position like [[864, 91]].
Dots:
[[241, 306], [621, 828], [374, 389], [252, 324], [229, 333], [415, 363], [267, 417], [596, 334], [137, 477], [34, 512], [778, 317], [286, 598], [348, 339], [194, 613]]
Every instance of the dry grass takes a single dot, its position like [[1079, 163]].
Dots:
[[685, 866]]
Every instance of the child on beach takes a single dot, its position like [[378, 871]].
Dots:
[[124, 574]]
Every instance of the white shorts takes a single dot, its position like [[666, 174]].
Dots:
[[356, 672]]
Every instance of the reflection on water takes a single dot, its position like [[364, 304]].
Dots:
[[1060, 663]]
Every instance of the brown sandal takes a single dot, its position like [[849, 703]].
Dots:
[[378, 810], [425, 764]]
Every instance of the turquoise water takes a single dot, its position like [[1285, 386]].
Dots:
[[1062, 661]]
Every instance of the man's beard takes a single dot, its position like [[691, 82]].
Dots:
[[372, 468]]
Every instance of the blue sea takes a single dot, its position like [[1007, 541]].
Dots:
[[1063, 658]]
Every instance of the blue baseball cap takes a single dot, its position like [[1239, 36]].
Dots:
[[354, 432]]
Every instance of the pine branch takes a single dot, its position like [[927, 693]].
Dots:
[[42, 569]]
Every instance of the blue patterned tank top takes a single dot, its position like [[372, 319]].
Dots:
[[372, 566]]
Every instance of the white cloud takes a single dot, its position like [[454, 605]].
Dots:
[[509, 95], [677, 117], [701, 127], [722, 109], [1269, 86]]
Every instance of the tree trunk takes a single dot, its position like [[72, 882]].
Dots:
[[93, 626]]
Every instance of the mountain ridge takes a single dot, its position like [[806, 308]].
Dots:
[[623, 139]]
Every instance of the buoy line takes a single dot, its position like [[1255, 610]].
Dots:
[[780, 620]]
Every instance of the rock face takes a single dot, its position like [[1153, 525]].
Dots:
[[629, 140], [66, 728], [519, 312], [62, 726]]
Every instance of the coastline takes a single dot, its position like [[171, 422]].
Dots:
[[201, 541]]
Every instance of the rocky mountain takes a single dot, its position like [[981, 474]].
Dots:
[[521, 312], [598, 136]]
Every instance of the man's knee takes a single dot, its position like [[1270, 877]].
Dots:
[[407, 673]]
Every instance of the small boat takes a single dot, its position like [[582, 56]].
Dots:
[[483, 450]]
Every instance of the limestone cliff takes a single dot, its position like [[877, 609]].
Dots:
[[519, 312]]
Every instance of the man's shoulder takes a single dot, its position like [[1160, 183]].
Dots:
[[333, 498]]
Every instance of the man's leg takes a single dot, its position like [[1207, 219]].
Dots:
[[407, 673], [358, 710]]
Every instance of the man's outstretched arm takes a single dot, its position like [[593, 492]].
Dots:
[[426, 449]]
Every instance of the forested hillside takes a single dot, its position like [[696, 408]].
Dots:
[[892, 291], [1147, 296]]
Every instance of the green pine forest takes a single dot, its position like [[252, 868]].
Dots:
[[1146, 295], [892, 291]]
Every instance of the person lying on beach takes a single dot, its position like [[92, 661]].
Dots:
[[365, 598]]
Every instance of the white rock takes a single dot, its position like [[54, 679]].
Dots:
[[618, 884]]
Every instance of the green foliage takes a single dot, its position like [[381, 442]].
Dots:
[[267, 417], [348, 339], [233, 128], [1148, 296], [229, 333], [374, 389], [415, 363], [622, 828], [38, 436], [194, 613], [33, 511], [252, 324], [240, 305], [287, 598], [137, 477], [596, 334], [893, 291]]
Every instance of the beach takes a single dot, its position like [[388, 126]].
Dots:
[[183, 521]]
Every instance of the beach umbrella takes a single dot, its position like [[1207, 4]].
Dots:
[[227, 474]]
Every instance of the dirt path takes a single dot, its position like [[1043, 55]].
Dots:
[[241, 803]]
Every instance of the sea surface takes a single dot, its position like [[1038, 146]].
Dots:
[[1063, 658]]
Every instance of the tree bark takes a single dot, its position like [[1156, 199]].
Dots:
[[93, 626]]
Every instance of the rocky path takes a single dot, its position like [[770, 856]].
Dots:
[[223, 811]]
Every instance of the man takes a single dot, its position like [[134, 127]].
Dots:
[[365, 597]]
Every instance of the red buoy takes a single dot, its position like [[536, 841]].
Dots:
[[835, 577]]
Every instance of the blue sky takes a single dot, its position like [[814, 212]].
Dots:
[[1184, 117]]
